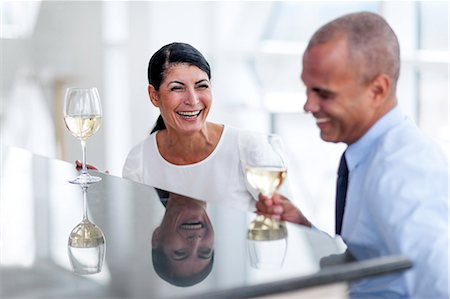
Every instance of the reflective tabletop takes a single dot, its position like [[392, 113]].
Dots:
[[155, 244]]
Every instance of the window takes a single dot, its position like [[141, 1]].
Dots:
[[423, 86]]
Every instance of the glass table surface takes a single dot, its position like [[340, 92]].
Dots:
[[39, 209]]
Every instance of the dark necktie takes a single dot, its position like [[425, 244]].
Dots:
[[341, 192]]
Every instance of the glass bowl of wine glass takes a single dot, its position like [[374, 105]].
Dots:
[[83, 117]]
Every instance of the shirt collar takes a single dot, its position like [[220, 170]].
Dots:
[[358, 150]]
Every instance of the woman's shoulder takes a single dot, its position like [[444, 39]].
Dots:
[[133, 166], [244, 134], [144, 143], [251, 138]]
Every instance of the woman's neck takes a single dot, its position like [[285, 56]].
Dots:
[[181, 149]]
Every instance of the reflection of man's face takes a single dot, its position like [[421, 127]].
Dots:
[[185, 235]]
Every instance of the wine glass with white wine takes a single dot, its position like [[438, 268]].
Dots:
[[268, 173], [83, 117], [267, 238]]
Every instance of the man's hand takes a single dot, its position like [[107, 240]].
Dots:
[[280, 208]]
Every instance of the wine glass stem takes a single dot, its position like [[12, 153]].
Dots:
[[84, 202], [83, 149]]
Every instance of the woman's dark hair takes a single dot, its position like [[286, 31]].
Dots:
[[162, 268], [163, 196], [174, 53]]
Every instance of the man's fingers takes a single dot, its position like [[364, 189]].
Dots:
[[277, 210], [268, 215]]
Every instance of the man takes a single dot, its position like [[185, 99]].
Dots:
[[397, 188]]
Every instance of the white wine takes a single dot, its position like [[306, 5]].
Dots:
[[266, 179], [84, 126]]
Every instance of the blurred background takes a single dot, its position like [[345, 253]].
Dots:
[[254, 49]]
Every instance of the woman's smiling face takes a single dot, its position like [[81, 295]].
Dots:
[[184, 98]]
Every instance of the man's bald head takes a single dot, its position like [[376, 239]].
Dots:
[[372, 44]]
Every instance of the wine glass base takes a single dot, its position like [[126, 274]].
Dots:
[[85, 180]]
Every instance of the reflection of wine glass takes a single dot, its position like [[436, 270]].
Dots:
[[83, 116], [86, 244], [266, 243], [269, 172]]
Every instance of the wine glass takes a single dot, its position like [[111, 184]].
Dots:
[[83, 117], [266, 171], [86, 244]]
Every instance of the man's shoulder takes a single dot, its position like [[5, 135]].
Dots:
[[405, 146], [406, 138]]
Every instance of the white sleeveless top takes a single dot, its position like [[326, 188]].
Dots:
[[218, 178]]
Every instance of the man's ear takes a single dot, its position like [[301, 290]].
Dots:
[[380, 89], [154, 96]]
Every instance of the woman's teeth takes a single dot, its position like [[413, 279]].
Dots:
[[191, 226], [189, 114]]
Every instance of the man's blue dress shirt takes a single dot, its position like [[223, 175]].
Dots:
[[397, 203]]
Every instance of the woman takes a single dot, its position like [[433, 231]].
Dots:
[[185, 153]]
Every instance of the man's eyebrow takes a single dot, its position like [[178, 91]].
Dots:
[[323, 91], [319, 89]]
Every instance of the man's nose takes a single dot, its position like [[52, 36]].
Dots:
[[311, 104]]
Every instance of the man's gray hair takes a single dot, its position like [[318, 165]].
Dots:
[[372, 44]]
